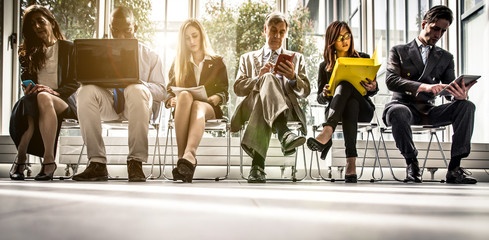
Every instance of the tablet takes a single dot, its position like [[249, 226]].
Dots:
[[468, 79]]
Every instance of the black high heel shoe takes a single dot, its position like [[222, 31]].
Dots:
[[17, 175], [43, 176], [185, 170], [315, 145]]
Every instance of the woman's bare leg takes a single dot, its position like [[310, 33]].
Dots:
[[182, 119], [200, 112], [50, 107]]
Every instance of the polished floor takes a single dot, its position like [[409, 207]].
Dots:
[[237, 210]]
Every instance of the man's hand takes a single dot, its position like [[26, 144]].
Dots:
[[265, 69], [460, 92], [214, 100], [286, 69], [431, 88], [369, 85], [326, 90]]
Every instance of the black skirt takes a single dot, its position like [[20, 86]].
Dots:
[[27, 106]]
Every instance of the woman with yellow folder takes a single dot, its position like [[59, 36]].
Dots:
[[347, 105]]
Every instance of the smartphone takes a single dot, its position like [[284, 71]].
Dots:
[[284, 57], [26, 83]]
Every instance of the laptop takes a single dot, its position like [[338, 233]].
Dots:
[[109, 63]]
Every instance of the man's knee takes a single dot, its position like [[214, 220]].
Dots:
[[269, 79], [137, 91], [87, 92], [398, 114], [139, 94], [466, 106]]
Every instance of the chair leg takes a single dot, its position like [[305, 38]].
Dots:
[[241, 156], [427, 152], [168, 133], [387, 157], [377, 159], [440, 148]]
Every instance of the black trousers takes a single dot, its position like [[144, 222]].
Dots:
[[458, 113], [349, 107]]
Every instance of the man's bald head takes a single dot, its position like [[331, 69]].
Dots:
[[122, 23]]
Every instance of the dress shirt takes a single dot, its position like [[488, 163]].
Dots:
[[198, 67], [151, 72]]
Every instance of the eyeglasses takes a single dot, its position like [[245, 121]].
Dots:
[[341, 38]]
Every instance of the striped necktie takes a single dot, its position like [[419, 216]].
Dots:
[[424, 53]]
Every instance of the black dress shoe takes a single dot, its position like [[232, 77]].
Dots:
[[135, 171], [42, 176], [351, 178], [94, 172], [460, 176], [185, 170], [257, 175], [315, 145], [412, 173], [290, 141], [17, 174]]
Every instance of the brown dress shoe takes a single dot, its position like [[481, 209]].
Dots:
[[94, 172], [135, 171]]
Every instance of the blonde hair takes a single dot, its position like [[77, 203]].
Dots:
[[183, 54]]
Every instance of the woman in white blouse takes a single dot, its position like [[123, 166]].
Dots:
[[44, 59], [195, 65]]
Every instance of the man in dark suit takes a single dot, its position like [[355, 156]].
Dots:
[[416, 73], [271, 93]]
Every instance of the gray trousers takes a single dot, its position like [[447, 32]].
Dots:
[[269, 101], [96, 104], [458, 113]]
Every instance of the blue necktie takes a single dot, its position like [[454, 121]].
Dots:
[[118, 100], [424, 53]]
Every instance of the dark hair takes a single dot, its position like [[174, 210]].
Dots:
[[276, 17], [438, 12], [32, 48], [332, 33]]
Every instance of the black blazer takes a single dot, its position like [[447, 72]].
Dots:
[[66, 79], [213, 76], [406, 72], [324, 77]]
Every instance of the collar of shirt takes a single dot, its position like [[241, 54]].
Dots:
[[198, 68], [267, 51], [420, 44], [206, 57]]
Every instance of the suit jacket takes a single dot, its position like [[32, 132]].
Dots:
[[406, 72], [248, 72], [324, 77], [66, 81], [214, 78]]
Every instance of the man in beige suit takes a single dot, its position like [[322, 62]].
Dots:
[[271, 93]]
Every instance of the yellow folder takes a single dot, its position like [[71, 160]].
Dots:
[[353, 70]]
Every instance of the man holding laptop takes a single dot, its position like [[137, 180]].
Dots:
[[97, 102], [416, 73]]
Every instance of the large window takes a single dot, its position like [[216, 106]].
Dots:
[[474, 61]]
